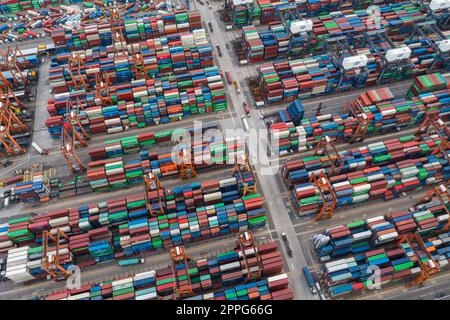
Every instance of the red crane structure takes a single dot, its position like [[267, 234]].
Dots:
[[51, 263], [326, 147], [184, 159], [252, 260], [418, 247], [76, 64], [102, 92], [180, 268], [441, 193], [329, 198], [121, 47], [73, 135], [434, 122], [242, 165], [9, 61], [152, 185], [356, 110]]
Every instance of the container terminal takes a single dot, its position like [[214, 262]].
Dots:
[[225, 150]]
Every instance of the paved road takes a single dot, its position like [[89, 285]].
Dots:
[[266, 183]]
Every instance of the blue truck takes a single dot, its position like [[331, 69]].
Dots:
[[309, 279]]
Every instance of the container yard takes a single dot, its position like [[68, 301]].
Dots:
[[225, 150]]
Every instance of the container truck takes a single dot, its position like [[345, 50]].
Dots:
[[228, 76], [246, 126], [210, 26], [218, 50], [309, 279], [41, 151], [286, 243], [246, 109], [236, 86], [131, 262], [6, 202]]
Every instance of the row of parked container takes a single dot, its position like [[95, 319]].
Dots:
[[134, 30], [117, 172], [136, 143], [176, 53], [323, 74], [36, 189], [379, 182], [221, 277], [26, 20], [346, 251], [374, 154], [383, 111], [282, 40], [142, 103], [122, 227], [265, 11]]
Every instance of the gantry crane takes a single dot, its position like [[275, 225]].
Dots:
[[10, 125], [152, 184], [138, 65], [436, 39], [8, 96], [73, 119], [11, 56], [241, 165], [52, 264], [329, 198], [247, 245], [10, 62], [73, 135], [442, 194], [433, 120], [438, 10], [393, 59], [184, 159], [68, 147], [363, 120], [102, 85], [76, 62], [180, 263], [442, 130], [248, 4], [299, 29], [120, 46], [335, 160], [428, 268]]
